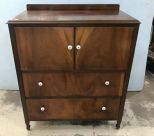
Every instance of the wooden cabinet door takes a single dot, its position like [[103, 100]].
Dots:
[[103, 48], [45, 48]]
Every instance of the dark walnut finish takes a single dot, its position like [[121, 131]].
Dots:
[[97, 7], [73, 62]]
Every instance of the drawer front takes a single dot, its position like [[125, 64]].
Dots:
[[45, 48], [73, 84], [103, 48], [46, 109]]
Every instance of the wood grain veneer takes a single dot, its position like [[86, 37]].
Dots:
[[44, 48], [105, 43]]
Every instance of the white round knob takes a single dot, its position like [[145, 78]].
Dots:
[[107, 83], [40, 84], [42, 108], [70, 47], [78, 47], [103, 108]]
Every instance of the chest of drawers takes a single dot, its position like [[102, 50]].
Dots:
[[73, 62]]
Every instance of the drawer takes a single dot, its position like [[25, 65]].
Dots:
[[73, 84], [86, 109]]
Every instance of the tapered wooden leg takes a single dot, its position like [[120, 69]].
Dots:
[[118, 124], [28, 125]]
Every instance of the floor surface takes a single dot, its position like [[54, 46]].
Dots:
[[138, 119]]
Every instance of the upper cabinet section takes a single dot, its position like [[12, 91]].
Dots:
[[45, 48], [74, 14], [53, 48], [73, 37]]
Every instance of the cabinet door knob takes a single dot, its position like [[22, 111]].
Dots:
[[104, 108], [40, 84], [107, 83], [70, 47], [78, 47], [42, 108]]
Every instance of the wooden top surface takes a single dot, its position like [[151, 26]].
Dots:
[[73, 14]]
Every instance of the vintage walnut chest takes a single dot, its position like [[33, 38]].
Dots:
[[73, 62]]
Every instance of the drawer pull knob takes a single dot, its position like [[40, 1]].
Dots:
[[42, 108], [107, 83], [70, 47], [78, 47], [103, 108], [40, 84]]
